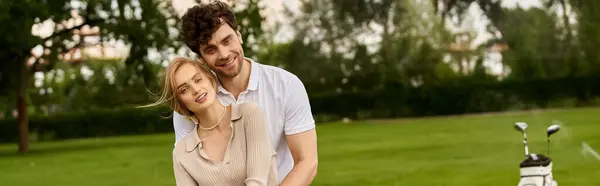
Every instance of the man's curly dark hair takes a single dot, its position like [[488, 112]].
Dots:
[[201, 21]]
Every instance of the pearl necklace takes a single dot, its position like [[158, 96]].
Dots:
[[219, 122]]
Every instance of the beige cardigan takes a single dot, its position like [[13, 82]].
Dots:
[[248, 160]]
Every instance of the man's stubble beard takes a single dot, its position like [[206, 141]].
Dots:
[[240, 64]]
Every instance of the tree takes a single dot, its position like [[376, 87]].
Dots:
[[588, 18], [338, 33], [535, 45], [142, 24], [16, 18], [409, 42], [492, 9]]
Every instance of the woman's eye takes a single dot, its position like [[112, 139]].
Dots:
[[197, 80]]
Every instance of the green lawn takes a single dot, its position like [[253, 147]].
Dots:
[[470, 150]]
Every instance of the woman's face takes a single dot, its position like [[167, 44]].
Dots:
[[194, 88]]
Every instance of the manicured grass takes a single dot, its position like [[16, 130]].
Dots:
[[471, 150]]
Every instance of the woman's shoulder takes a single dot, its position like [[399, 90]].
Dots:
[[179, 150], [187, 144]]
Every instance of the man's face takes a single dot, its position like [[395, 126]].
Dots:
[[224, 53]]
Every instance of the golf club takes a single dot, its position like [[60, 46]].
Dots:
[[551, 130], [522, 127]]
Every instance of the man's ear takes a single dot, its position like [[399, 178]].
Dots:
[[240, 37]]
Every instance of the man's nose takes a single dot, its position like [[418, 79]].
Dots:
[[223, 53]]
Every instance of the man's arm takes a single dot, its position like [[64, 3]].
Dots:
[[304, 150], [301, 134], [182, 126]]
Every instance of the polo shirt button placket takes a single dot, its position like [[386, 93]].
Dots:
[[241, 98]]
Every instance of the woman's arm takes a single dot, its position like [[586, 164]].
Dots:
[[258, 146], [182, 177]]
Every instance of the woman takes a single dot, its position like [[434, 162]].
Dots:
[[230, 145]]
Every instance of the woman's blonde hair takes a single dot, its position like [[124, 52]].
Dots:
[[169, 92]]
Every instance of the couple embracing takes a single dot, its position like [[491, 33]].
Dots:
[[236, 121]]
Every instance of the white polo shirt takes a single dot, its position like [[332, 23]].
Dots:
[[284, 99]]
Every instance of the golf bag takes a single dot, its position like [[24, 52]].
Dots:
[[536, 170]]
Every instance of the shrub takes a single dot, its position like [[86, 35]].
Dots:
[[94, 123]]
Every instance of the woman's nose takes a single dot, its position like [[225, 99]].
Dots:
[[195, 89]]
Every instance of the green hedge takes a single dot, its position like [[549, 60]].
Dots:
[[96, 123], [457, 96], [451, 96]]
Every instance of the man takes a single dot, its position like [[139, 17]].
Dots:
[[211, 31]]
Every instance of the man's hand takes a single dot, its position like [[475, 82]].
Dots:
[[303, 147]]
